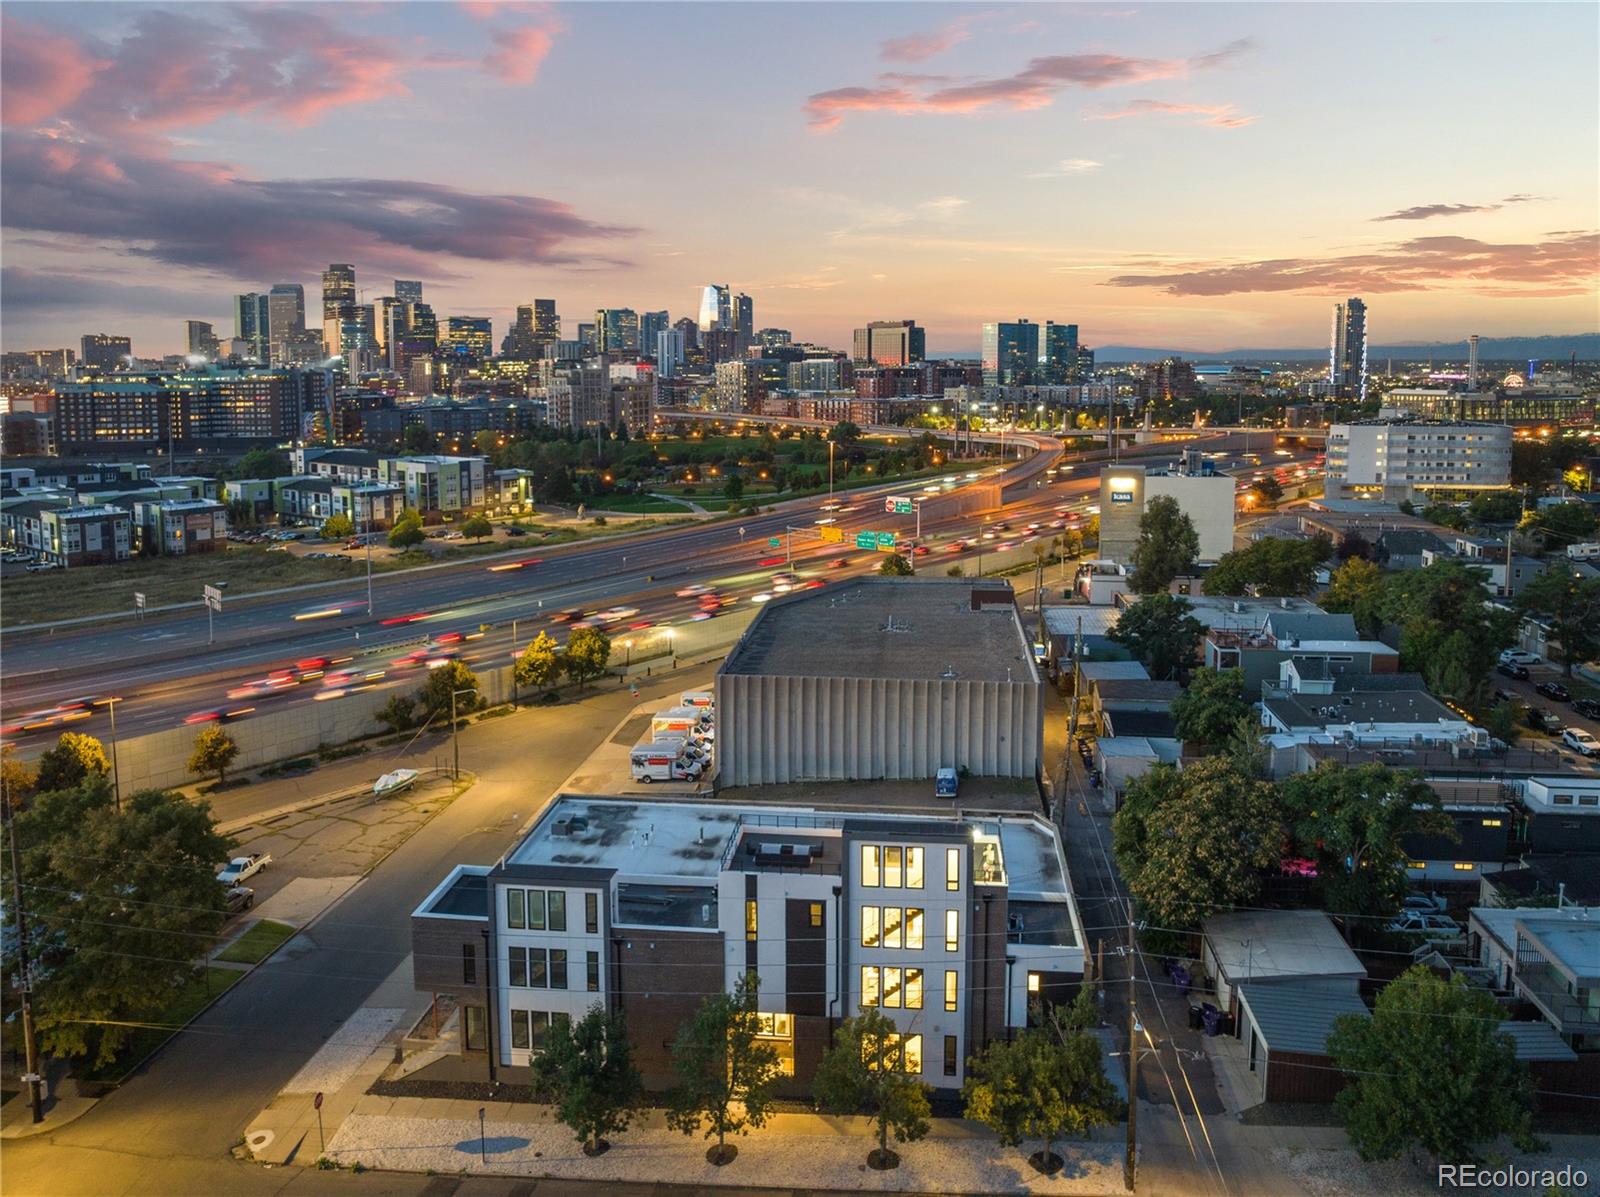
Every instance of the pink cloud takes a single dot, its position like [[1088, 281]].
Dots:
[[1548, 267], [519, 53], [1035, 86], [41, 72], [919, 47], [1222, 116]]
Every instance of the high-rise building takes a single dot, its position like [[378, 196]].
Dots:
[[616, 330], [546, 323], [252, 318], [716, 308], [286, 319], [200, 339], [1058, 353], [669, 349], [468, 340], [412, 336], [651, 324], [1010, 353], [37, 363], [358, 339], [1472, 362], [690, 331], [744, 321], [105, 351], [407, 290], [1347, 350], [587, 337], [889, 343], [338, 297], [774, 338]]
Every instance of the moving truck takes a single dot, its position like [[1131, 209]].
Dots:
[[701, 699], [661, 762], [676, 719]]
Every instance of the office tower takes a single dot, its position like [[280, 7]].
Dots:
[[669, 349], [338, 297], [1058, 353], [1347, 350], [744, 321], [407, 290], [616, 330], [413, 337], [889, 343], [252, 318], [1010, 353], [467, 340], [774, 338], [199, 339], [1472, 362], [382, 316], [546, 323], [690, 331], [520, 343], [105, 351], [286, 319], [652, 324], [716, 308], [358, 338], [586, 337]]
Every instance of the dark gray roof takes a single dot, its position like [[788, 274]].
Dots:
[[1372, 683], [1160, 724], [1297, 1016], [1136, 690], [1370, 706], [1409, 542], [361, 457], [1537, 1041], [1301, 625], [468, 896]]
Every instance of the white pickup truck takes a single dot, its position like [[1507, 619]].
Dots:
[[240, 867]]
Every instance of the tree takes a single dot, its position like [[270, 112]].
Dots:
[[1449, 632], [74, 759], [262, 463], [1267, 489], [587, 1069], [1561, 524], [337, 527], [1211, 706], [539, 665], [476, 527], [895, 565], [1047, 1083], [214, 751], [1572, 607], [1351, 821], [1159, 631], [588, 653], [416, 438], [1196, 841], [407, 530], [17, 781], [844, 433], [725, 1071], [1356, 589], [1431, 1069], [1168, 546], [1273, 565], [1354, 545], [449, 679], [399, 713], [122, 905], [866, 1071], [733, 488]]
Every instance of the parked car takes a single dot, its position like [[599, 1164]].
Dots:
[[1513, 670], [1424, 903], [241, 867], [1553, 690], [1508, 696], [239, 897], [1587, 707], [39, 567], [1542, 720], [1518, 656], [1580, 741], [1416, 922]]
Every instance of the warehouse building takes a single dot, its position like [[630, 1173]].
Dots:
[[881, 678]]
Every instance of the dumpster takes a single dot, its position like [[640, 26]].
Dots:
[[1212, 1018]]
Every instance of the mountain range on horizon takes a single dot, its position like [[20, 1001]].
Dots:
[[1507, 349]]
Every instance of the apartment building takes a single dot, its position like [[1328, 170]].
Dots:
[[949, 924], [85, 535], [172, 527], [1403, 460], [436, 483]]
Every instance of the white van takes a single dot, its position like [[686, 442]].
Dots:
[[661, 762], [700, 699], [1583, 552], [676, 719]]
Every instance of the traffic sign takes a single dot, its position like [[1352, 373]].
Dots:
[[138, 600], [885, 542], [896, 506], [866, 540], [832, 533], [213, 598], [774, 541]]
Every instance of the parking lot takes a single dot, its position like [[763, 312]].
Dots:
[[1525, 691]]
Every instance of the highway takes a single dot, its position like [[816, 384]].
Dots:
[[165, 673]]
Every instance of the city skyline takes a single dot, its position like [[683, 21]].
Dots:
[[982, 163]]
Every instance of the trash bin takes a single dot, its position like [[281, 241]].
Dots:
[[1180, 978], [1212, 1018], [1195, 1015]]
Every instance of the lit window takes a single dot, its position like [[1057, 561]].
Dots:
[[870, 876], [1493, 823], [1033, 982], [750, 920], [913, 868], [913, 928], [952, 930], [869, 985], [952, 868], [892, 926], [1463, 866], [893, 876], [913, 989], [913, 1053], [816, 914], [891, 987], [870, 916], [951, 989]]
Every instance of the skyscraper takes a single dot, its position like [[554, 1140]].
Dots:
[[252, 318], [546, 323], [1058, 353], [774, 338], [690, 331], [200, 339], [744, 321], [105, 350], [651, 324], [412, 337], [338, 297], [716, 308], [616, 330], [1472, 362], [358, 338], [407, 290], [1010, 353], [286, 319], [468, 339], [587, 339], [669, 350], [890, 343], [1347, 350]]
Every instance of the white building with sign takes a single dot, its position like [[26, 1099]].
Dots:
[[1207, 499]]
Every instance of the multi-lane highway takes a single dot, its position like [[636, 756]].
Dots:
[[265, 657]]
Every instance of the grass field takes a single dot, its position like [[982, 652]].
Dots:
[[165, 1023], [254, 945], [643, 504]]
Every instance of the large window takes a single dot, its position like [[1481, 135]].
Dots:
[[558, 968], [950, 1055], [871, 876], [477, 1040], [871, 926], [892, 866], [893, 874], [952, 988], [591, 913], [536, 910], [913, 928], [893, 926], [913, 868], [952, 931], [538, 969], [558, 910], [751, 918], [913, 989], [516, 909], [592, 968], [517, 973], [869, 985], [892, 987], [952, 868]]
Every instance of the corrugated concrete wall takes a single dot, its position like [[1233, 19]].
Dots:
[[773, 730]]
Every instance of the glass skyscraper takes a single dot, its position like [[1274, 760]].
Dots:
[[1010, 354], [716, 308], [1347, 350]]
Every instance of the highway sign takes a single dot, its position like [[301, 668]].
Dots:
[[832, 533], [213, 598], [866, 540], [885, 542], [774, 541], [896, 506], [138, 600]]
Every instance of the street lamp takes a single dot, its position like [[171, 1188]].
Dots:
[[830, 469], [116, 779], [455, 740], [628, 660]]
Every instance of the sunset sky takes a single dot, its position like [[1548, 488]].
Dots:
[[1200, 176]]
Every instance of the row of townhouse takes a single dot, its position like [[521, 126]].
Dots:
[[68, 535]]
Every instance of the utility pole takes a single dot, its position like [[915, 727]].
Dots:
[[455, 741], [116, 775], [366, 535], [29, 1046], [1130, 1165]]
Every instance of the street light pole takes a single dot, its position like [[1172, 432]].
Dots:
[[116, 776], [455, 740], [830, 469], [29, 1046], [366, 535]]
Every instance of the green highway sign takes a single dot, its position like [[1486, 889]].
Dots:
[[898, 506], [866, 540], [885, 542], [774, 541]]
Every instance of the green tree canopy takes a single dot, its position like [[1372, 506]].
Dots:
[[407, 530], [725, 1070], [1275, 566], [121, 905], [895, 565], [586, 1068], [1203, 841], [1561, 524], [587, 655], [844, 433], [1211, 706], [262, 463], [1356, 589], [1160, 632], [399, 713], [733, 488], [450, 678], [865, 1071], [1351, 821], [337, 527], [1572, 606], [539, 665], [1431, 1070], [214, 751], [1268, 488], [1449, 633], [476, 527], [1168, 546], [74, 759]]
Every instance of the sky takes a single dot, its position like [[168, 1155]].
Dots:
[[1180, 175]]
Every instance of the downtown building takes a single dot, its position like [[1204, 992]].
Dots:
[[889, 343], [1347, 351], [190, 407], [1396, 460]]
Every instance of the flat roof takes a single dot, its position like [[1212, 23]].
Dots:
[[1033, 864], [1129, 689], [640, 838], [1298, 1016], [1573, 943], [1402, 706], [1258, 944], [1097, 671], [463, 894], [1019, 795], [892, 628], [1096, 621]]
